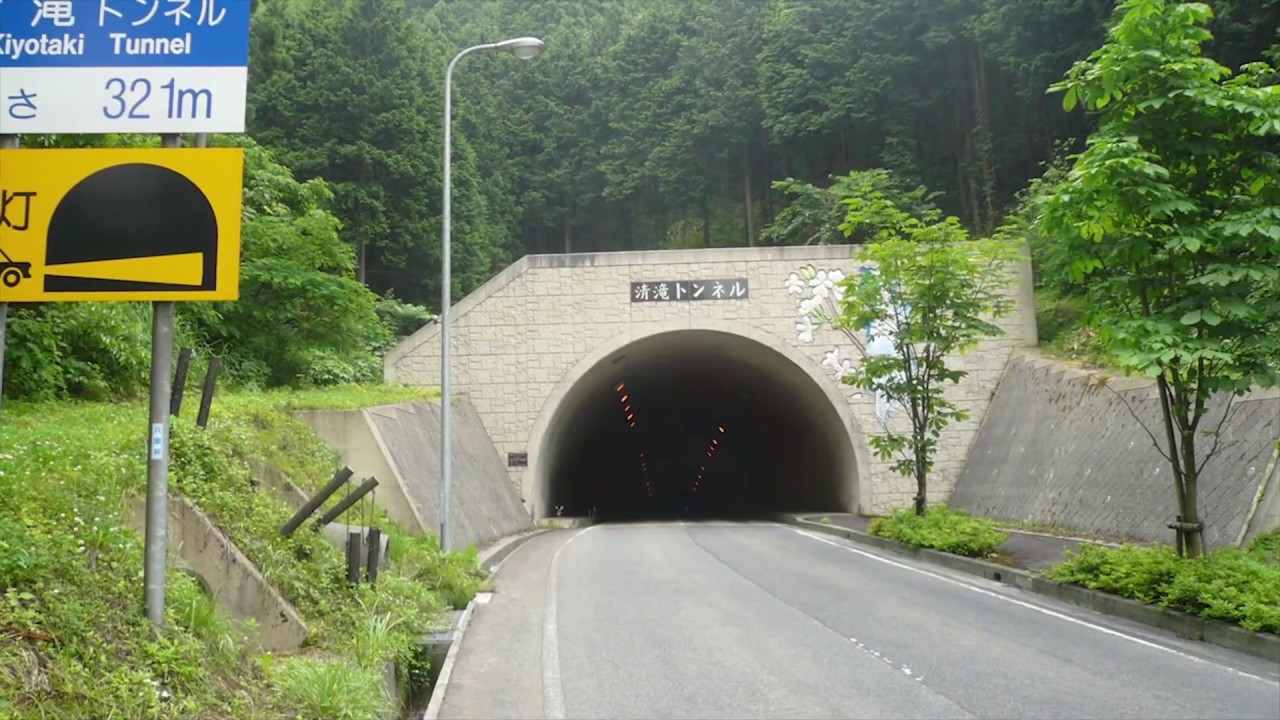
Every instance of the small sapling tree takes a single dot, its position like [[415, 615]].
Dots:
[[1172, 214], [932, 295]]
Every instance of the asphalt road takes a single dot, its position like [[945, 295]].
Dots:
[[766, 621]]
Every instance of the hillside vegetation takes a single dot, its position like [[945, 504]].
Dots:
[[645, 124], [74, 642]]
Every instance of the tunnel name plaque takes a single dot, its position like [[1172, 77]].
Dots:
[[517, 459], [689, 290]]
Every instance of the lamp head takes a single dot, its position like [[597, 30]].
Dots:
[[524, 48]]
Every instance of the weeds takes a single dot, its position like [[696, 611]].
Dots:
[[73, 640]]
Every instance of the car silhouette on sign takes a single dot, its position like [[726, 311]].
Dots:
[[11, 272]]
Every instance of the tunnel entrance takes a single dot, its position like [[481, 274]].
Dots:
[[695, 424]]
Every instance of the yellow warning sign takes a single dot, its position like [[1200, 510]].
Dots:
[[129, 224]]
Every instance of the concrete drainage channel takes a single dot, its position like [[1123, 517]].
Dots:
[[425, 701]]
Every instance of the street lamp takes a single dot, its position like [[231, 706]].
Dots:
[[524, 48]]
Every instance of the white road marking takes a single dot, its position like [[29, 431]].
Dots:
[[552, 686], [876, 654], [1027, 605]]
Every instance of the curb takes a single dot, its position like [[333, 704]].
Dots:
[[1187, 627], [493, 556], [492, 561], [442, 681]]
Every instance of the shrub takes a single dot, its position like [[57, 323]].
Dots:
[[1227, 585], [942, 529], [402, 319], [92, 351]]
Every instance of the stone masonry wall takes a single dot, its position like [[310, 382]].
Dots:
[[1060, 448], [529, 327]]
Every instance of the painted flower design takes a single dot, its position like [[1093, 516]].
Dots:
[[795, 285], [840, 367], [805, 328], [824, 284], [809, 304]]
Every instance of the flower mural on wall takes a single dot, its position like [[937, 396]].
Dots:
[[819, 293]]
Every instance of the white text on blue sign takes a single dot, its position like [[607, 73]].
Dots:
[[123, 66], [124, 33]]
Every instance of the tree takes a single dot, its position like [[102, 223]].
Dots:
[[1173, 213], [302, 317], [814, 215], [933, 294]]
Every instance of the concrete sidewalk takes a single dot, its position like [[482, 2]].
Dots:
[[1024, 550]]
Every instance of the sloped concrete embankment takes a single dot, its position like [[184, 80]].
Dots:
[[199, 547], [400, 445], [1060, 446]]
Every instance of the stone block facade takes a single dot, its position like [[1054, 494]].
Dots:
[[536, 326]]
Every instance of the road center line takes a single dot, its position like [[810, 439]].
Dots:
[[552, 685], [1027, 605]]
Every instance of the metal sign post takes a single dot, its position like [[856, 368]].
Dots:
[[6, 142]]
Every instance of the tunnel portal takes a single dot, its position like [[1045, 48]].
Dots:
[[696, 424]]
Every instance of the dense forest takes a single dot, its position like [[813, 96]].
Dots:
[[666, 123], [644, 124]]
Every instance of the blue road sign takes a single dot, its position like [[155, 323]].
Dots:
[[124, 33], [123, 66]]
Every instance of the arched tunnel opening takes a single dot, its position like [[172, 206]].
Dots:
[[695, 424]]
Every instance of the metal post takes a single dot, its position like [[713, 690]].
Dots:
[[446, 271], [339, 479], [375, 554], [210, 384], [7, 142], [345, 503], [446, 280], [180, 381], [353, 557], [156, 540]]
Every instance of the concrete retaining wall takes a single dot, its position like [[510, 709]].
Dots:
[[231, 578], [399, 444], [1060, 447]]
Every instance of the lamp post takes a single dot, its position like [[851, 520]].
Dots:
[[524, 48]]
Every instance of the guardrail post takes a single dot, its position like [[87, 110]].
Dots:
[[210, 383], [180, 381], [353, 557], [375, 554], [346, 502], [339, 478]]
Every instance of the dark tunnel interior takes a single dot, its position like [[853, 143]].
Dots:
[[696, 424]]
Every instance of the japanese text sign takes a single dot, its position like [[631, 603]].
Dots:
[[688, 290], [139, 224], [123, 66]]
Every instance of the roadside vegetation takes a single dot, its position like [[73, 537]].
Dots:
[[1233, 585], [1228, 584], [73, 639], [951, 531]]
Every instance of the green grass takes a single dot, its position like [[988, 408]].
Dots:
[[73, 642]]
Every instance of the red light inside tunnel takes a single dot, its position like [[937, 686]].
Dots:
[[624, 398], [721, 429], [714, 441]]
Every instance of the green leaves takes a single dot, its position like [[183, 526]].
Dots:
[[1174, 205], [933, 295]]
